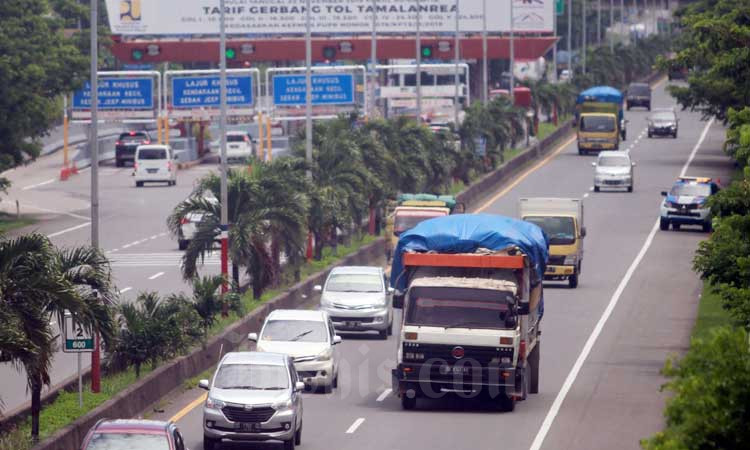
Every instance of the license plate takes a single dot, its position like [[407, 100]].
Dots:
[[249, 426], [461, 370], [152, 170], [234, 146], [351, 324]]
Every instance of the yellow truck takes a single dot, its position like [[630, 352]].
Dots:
[[411, 209], [600, 119], [562, 221]]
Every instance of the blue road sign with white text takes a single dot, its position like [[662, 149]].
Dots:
[[328, 89], [118, 93], [197, 92]]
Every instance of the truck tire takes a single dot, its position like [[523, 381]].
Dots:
[[507, 403], [663, 224], [533, 368], [408, 403], [573, 281]]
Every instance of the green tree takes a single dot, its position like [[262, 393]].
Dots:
[[711, 386], [37, 283], [37, 66]]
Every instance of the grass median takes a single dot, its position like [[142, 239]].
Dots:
[[710, 313], [10, 222], [64, 409]]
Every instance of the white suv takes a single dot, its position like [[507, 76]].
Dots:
[[155, 163], [239, 146], [309, 338]]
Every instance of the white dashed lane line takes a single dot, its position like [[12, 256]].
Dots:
[[355, 425], [384, 394], [122, 291], [26, 188], [156, 275]]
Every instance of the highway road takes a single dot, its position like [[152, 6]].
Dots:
[[603, 343]]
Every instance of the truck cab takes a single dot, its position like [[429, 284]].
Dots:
[[470, 322], [598, 131], [562, 220]]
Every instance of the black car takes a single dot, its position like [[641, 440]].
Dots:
[[663, 123], [126, 145], [639, 94]]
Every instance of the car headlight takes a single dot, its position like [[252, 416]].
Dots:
[[570, 260], [281, 405], [325, 355], [214, 403]]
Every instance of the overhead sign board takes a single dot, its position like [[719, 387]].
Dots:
[[328, 89], [203, 91], [76, 338], [350, 17], [118, 93]]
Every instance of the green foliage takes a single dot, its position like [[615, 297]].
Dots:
[[711, 386], [711, 313], [714, 47], [38, 64], [725, 258]]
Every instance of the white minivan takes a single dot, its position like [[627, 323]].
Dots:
[[155, 163]]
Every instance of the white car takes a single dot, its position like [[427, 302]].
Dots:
[[155, 163], [357, 298], [309, 338], [239, 146], [613, 169], [189, 225]]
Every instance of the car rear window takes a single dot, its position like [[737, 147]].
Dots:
[[236, 138], [137, 137], [152, 153], [639, 89]]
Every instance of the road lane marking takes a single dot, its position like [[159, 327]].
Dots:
[[585, 195], [158, 259], [122, 291], [384, 394], [355, 425], [26, 188], [52, 211], [528, 172], [154, 236], [156, 275], [77, 227], [190, 406], [570, 379], [127, 245]]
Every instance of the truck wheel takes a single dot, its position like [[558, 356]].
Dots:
[[533, 368], [663, 224], [507, 403], [573, 281], [408, 403]]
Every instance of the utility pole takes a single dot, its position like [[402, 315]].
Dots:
[[622, 19], [94, 150], [598, 22], [485, 69], [419, 66], [512, 54], [308, 89], [554, 48], [612, 25], [224, 227], [373, 54], [456, 79], [570, 38], [583, 47]]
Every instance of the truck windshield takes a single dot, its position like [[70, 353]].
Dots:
[[560, 230], [407, 222], [598, 124], [459, 308]]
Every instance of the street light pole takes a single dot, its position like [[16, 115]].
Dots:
[[419, 66], [583, 46], [485, 69], [612, 25], [598, 22], [456, 55], [570, 38], [622, 20], [224, 227], [512, 53], [373, 54], [554, 48], [308, 90], [94, 150]]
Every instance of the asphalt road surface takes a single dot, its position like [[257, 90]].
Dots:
[[603, 343]]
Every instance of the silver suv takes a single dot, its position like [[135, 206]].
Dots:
[[253, 397], [357, 298]]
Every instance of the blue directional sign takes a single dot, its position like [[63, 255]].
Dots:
[[118, 93], [329, 89], [197, 92]]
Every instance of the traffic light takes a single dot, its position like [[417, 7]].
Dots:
[[136, 54], [231, 53], [426, 51], [329, 53]]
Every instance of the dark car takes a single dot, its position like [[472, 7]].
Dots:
[[663, 123], [639, 94], [133, 434], [126, 145]]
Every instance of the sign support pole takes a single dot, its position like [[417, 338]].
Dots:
[[223, 130], [261, 152], [612, 25], [554, 48], [583, 47], [456, 79], [512, 54], [268, 138], [485, 69], [419, 66], [373, 55], [80, 383], [570, 39], [308, 90], [94, 149]]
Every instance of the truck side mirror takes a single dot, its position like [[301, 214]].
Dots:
[[583, 231], [398, 301]]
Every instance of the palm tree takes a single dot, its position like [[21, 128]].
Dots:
[[39, 282]]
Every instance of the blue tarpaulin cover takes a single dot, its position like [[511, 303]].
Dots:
[[465, 233], [605, 94]]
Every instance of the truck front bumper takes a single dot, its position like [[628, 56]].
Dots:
[[421, 380], [589, 145], [559, 272]]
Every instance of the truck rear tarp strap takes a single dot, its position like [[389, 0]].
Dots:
[[466, 233]]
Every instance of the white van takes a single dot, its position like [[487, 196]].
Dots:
[[155, 163]]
